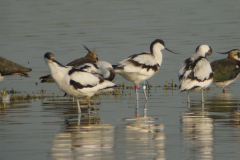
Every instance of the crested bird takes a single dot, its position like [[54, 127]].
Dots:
[[226, 71], [8, 68], [196, 72]]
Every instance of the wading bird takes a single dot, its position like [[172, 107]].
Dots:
[[91, 57], [76, 82], [226, 71], [196, 72], [8, 68], [139, 67]]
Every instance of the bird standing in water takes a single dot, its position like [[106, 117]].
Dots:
[[226, 70], [91, 57], [196, 72], [8, 68], [76, 82], [139, 67]]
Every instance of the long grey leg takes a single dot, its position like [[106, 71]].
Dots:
[[89, 107], [79, 119], [202, 97], [188, 99], [144, 90], [145, 110], [137, 110], [79, 108], [136, 90], [79, 112]]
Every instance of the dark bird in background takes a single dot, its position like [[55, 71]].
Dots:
[[8, 68], [226, 70], [91, 57]]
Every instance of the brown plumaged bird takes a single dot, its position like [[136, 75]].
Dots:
[[226, 70], [8, 68]]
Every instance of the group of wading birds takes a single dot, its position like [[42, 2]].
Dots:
[[87, 76]]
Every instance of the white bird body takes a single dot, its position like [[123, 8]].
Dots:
[[201, 73], [106, 70], [140, 67], [196, 72], [76, 82], [91, 57], [137, 73]]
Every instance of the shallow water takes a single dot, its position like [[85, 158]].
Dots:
[[164, 128]]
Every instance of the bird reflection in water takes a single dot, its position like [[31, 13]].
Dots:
[[87, 139], [224, 99], [144, 138], [197, 133], [68, 108]]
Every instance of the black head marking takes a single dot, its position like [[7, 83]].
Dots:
[[156, 41], [209, 52], [197, 48], [49, 56]]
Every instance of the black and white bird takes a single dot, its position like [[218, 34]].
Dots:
[[226, 70], [196, 72], [8, 68], [91, 57], [139, 67], [76, 82], [101, 68]]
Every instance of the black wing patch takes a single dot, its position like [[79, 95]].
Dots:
[[190, 65], [87, 66], [135, 55], [148, 67], [73, 70], [78, 85], [192, 77]]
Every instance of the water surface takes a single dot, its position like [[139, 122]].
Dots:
[[164, 128]]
